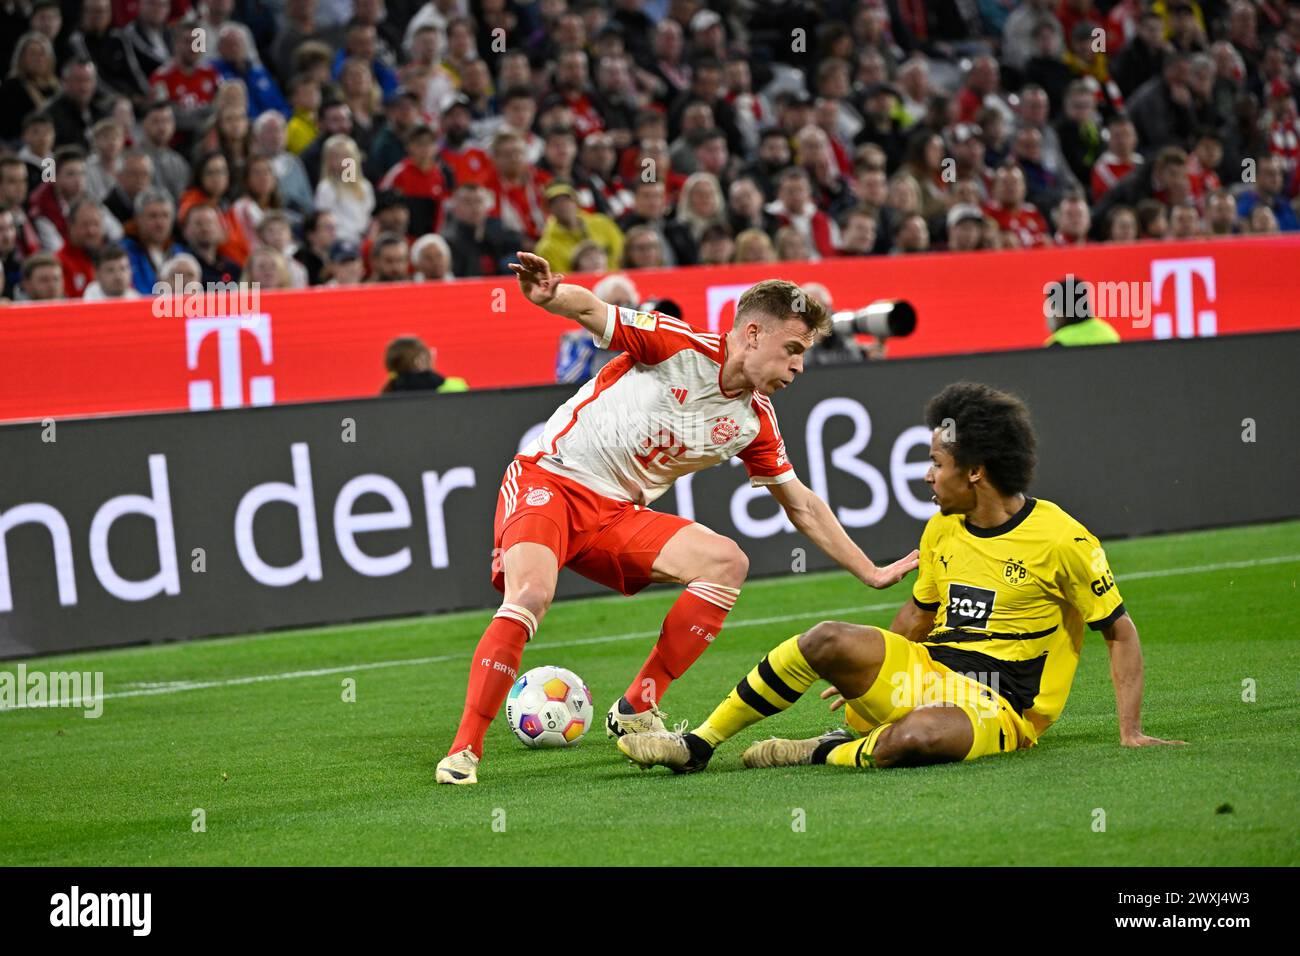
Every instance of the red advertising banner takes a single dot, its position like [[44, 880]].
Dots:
[[72, 359]]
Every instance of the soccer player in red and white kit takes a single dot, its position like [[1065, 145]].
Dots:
[[676, 401]]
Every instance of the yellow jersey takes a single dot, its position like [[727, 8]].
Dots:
[[1010, 602]]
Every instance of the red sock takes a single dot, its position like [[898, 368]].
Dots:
[[491, 674], [693, 622]]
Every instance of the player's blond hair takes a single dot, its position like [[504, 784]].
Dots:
[[784, 300]]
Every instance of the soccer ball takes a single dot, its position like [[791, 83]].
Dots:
[[549, 707]]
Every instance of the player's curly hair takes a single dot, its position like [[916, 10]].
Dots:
[[990, 428]]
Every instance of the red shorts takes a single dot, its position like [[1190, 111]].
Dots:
[[612, 542]]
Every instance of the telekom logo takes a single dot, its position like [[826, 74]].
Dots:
[[1179, 317], [230, 376]]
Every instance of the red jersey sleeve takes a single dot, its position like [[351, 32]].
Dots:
[[765, 457], [649, 338]]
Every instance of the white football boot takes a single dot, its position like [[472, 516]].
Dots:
[[618, 724], [460, 768]]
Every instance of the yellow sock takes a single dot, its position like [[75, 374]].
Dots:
[[856, 753], [777, 682]]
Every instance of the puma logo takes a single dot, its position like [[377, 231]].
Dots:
[[944, 562]]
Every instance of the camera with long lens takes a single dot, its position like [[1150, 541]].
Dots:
[[884, 319]]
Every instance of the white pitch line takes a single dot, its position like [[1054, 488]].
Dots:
[[182, 686]]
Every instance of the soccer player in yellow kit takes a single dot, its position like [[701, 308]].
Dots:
[[980, 660]]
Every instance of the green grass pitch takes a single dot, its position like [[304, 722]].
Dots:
[[286, 772]]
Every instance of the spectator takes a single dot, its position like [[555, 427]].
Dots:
[[211, 187], [388, 258], [304, 123], [1142, 57], [77, 105], [1184, 221], [745, 208], [275, 231], [13, 200], [134, 173], [1010, 210], [343, 189], [401, 116], [112, 276], [568, 225], [792, 245], [754, 245], [50, 203], [1119, 160], [266, 269], [1221, 214], [965, 224], [701, 206], [260, 195], [431, 259], [319, 237], [716, 245], [913, 235], [42, 278], [421, 179], [467, 162], [186, 82], [269, 132], [1269, 192], [147, 35], [1166, 181], [96, 39], [1072, 220], [1079, 131], [357, 89], [361, 41], [152, 245], [1161, 108], [643, 249], [1262, 221], [107, 141], [410, 369], [11, 260], [1070, 318], [237, 59], [203, 227], [480, 243], [1152, 219], [794, 207], [182, 271], [30, 84], [1121, 225], [650, 208], [170, 171]]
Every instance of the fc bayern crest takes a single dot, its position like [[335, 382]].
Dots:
[[537, 496], [724, 430]]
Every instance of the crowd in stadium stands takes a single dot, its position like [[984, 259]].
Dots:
[[298, 143]]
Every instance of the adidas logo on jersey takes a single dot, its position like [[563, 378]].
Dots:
[[679, 393]]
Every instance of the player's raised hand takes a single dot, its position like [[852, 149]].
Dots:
[[838, 702], [1145, 740], [893, 573], [536, 280]]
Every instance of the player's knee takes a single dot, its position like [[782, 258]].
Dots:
[[919, 738], [726, 563], [534, 595], [826, 644]]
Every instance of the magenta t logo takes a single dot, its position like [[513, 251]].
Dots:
[[228, 329]]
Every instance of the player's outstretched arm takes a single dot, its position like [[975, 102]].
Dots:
[[543, 287], [814, 517], [1127, 674]]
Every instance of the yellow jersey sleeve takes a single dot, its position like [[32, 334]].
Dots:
[[1086, 579], [925, 593]]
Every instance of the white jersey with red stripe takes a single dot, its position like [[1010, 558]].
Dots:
[[657, 412]]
